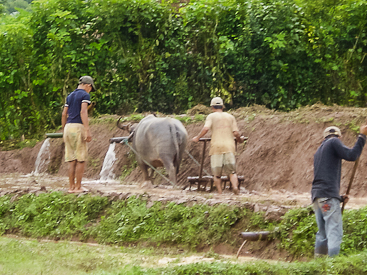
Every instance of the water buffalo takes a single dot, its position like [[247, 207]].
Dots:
[[159, 142]]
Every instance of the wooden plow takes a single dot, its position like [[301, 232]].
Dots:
[[203, 181]]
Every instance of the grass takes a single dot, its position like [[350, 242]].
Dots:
[[103, 120], [355, 264], [59, 216], [126, 171], [28, 256], [13, 144]]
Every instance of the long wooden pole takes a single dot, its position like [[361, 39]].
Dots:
[[351, 180]]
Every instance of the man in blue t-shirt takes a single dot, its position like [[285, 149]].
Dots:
[[76, 131], [326, 187]]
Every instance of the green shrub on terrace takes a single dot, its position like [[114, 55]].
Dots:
[[4, 208], [174, 223], [62, 216], [297, 231], [355, 230], [54, 214], [184, 119]]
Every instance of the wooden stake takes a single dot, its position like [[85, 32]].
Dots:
[[351, 180]]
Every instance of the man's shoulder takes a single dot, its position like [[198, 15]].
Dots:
[[80, 91], [220, 114], [333, 142], [229, 115], [71, 94], [81, 94], [210, 116]]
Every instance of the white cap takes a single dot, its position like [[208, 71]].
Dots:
[[332, 130], [216, 101]]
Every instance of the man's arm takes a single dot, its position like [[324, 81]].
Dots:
[[84, 117], [351, 154], [64, 116], [201, 134]]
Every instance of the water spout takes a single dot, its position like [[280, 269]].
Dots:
[[43, 158], [110, 158]]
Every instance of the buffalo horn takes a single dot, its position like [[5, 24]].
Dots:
[[122, 126]]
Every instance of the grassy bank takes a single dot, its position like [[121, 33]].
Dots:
[[27, 256], [134, 221]]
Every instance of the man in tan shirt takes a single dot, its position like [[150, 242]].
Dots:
[[222, 147]]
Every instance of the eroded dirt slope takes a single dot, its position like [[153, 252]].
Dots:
[[277, 156]]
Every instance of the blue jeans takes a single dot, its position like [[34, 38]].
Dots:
[[330, 225]]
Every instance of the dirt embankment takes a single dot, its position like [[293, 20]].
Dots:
[[277, 156]]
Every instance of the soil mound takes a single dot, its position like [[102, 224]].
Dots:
[[199, 109]]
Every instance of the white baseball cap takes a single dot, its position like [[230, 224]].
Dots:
[[216, 101], [332, 130]]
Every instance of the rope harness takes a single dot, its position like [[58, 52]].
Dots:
[[151, 166], [187, 152]]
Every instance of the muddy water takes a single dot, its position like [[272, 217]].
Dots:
[[12, 182]]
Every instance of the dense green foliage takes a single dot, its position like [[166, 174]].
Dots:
[[132, 221], [148, 55], [10, 6]]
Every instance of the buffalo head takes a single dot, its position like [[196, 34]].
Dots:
[[124, 126]]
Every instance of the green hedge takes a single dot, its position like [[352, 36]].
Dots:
[[151, 56]]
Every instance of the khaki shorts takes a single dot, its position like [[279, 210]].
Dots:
[[75, 145], [224, 163]]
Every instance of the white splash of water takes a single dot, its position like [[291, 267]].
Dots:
[[110, 158], [43, 157]]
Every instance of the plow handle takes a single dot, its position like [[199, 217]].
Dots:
[[350, 181]]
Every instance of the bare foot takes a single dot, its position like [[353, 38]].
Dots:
[[236, 191], [81, 190], [71, 191]]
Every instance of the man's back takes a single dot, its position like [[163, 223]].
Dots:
[[327, 166], [73, 102], [222, 126]]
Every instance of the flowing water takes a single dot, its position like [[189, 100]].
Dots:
[[43, 158], [106, 173]]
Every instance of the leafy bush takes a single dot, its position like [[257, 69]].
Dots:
[[297, 231], [63, 216], [147, 56], [173, 224], [54, 215], [355, 230]]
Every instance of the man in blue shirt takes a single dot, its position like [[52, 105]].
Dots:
[[326, 187], [76, 131]]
